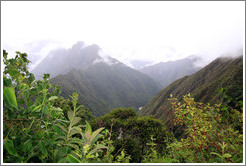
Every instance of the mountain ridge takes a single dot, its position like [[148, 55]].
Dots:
[[103, 87], [60, 61], [202, 85], [167, 72], [102, 82]]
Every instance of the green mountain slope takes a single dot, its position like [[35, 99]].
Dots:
[[203, 86], [102, 87], [167, 72], [102, 82]]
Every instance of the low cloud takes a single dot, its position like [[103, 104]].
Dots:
[[105, 58], [205, 59]]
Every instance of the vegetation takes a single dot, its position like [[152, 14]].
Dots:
[[203, 86], [211, 133], [131, 132], [42, 127], [103, 83], [103, 87]]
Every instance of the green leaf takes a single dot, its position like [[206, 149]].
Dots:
[[9, 145], [63, 160], [81, 106], [227, 155], [88, 136], [37, 108], [88, 128], [95, 135], [84, 137], [9, 95], [70, 115], [79, 130], [56, 129], [76, 120], [73, 146], [27, 146], [75, 140], [60, 137], [72, 159], [74, 131], [14, 73], [98, 147], [53, 98], [43, 149], [62, 127], [58, 109], [216, 154]]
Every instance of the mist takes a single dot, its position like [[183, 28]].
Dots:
[[167, 32]]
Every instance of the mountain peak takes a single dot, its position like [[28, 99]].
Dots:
[[79, 56], [78, 45]]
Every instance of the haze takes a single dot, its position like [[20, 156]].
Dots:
[[128, 31]]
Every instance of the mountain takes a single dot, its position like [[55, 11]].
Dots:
[[102, 82], [167, 72], [202, 85], [62, 60], [139, 64]]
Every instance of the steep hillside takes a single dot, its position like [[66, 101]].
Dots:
[[102, 82], [167, 72], [203, 86], [102, 87]]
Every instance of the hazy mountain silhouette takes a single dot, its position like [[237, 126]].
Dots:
[[167, 72], [102, 82]]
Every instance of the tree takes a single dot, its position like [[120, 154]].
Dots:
[[131, 133]]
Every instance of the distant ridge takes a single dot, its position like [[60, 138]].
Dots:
[[202, 85], [167, 72]]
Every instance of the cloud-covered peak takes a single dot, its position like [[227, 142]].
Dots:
[[105, 58]]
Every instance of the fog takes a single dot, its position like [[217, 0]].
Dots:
[[132, 32]]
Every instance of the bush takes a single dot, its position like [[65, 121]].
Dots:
[[210, 133]]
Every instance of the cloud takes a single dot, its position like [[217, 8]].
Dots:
[[38, 50], [104, 58], [168, 31], [204, 59]]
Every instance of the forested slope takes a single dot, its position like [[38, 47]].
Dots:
[[202, 85]]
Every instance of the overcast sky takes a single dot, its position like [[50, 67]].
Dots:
[[153, 31]]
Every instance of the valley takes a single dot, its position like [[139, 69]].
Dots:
[[108, 83], [112, 108]]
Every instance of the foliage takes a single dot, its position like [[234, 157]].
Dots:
[[66, 105], [202, 85], [35, 129], [42, 127], [28, 113], [209, 132], [129, 130]]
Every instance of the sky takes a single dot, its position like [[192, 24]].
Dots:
[[150, 31]]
